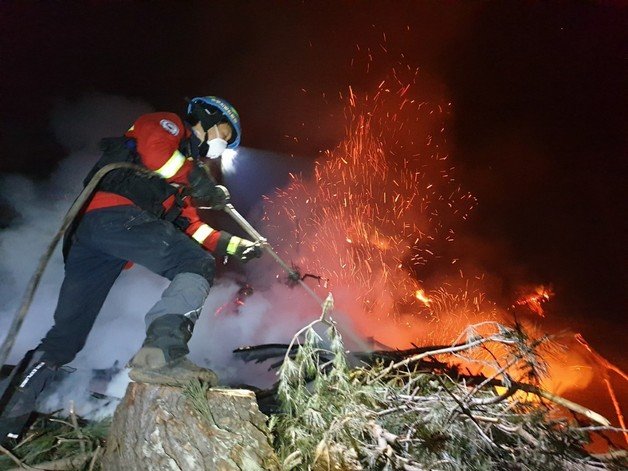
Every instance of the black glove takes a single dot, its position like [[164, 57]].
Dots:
[[242, 249], [203, 189], [217, 200]]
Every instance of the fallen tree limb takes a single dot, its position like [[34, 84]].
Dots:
[[65, 464], [611, 455], [420, 356], [14, 458], [561, 401]]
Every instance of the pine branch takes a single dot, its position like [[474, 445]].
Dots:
[[400, 418], [561, 401], [420, 356], [64, 464], [14, 458]]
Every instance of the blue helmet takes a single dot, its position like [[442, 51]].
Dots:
[[212, 110]]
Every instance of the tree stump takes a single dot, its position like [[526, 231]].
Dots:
[[158, 428]]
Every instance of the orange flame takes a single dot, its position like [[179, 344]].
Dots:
[[421, 296], [379, 211], [535, 300], [381, 205]]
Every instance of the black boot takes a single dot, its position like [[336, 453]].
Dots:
[[161, 360], [19, 393]]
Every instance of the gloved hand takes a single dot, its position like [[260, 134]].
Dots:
[[242, 249], [204, 191], [218, 198], [215, 198]]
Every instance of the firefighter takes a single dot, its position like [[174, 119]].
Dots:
[[149, 219]]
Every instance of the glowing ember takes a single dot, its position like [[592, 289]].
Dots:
[[380, 210], [535, 300], [420, 295]]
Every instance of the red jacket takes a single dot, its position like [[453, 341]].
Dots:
[[158, 137]]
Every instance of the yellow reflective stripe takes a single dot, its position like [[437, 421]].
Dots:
[[132, 128], [172, 166], [233, 245], [202, 233]]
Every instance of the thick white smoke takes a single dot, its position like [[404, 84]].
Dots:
[[269, 316]]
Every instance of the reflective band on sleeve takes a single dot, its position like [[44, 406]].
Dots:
[[172, 166], [233, 245], [202, 233]]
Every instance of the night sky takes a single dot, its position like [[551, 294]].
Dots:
[[537, 128]]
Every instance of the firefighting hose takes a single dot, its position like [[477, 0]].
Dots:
[[74, 210], [69, 218]]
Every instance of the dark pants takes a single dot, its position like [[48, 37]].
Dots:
[[104, 241]]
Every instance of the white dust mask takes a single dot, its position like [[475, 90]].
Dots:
[[216, 146]]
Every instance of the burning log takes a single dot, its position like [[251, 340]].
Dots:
[[163, 427], [262, 353]]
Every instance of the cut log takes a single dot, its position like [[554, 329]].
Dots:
[[159, 428]]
